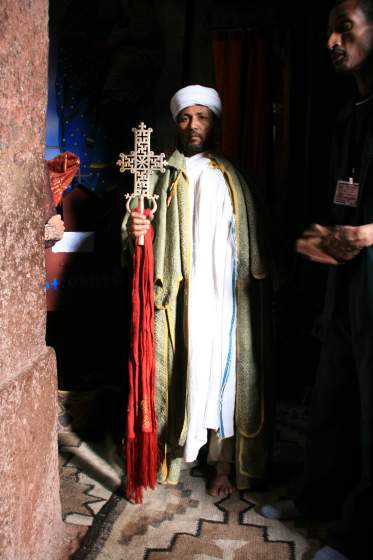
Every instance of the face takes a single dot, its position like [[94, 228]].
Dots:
[[194, 127], [350, 37]]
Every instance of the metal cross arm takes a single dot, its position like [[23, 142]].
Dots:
[[142, 162]]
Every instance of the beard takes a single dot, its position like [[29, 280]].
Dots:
[[189, 148], [192, 149]]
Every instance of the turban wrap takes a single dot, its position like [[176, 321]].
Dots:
[[195, 95]]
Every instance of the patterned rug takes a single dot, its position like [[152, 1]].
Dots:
[[182, 522], [89, 474]]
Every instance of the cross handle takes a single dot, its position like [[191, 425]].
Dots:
[[151, 198]]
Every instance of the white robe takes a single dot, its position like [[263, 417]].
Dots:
[[211, 307]]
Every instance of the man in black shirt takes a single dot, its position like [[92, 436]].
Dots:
[[339, 453]]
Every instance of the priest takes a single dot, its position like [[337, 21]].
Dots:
[[212, 320]]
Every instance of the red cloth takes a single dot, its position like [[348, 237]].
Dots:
[[141, 445], [62, 170], [242, 70]]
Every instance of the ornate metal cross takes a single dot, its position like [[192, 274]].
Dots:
[[142, 162]]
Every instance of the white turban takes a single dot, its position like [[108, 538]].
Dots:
[[195, 95]]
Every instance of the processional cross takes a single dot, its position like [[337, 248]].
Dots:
[[142, 162]]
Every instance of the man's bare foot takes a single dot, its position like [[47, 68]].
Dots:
[[220, 485]]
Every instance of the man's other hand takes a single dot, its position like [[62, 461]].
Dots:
[[357, 237], [312, 245]]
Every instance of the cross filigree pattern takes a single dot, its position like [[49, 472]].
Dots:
[[142, 162]]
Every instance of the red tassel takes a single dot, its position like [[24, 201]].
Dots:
[[141, 450], [142, 463]]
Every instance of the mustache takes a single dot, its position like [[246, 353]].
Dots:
[[191, 135]]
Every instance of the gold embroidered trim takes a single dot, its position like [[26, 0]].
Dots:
[[173, 188]]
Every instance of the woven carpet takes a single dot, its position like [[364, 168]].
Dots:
[[182, 522]]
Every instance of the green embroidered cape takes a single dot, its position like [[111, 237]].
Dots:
[[254, 410]]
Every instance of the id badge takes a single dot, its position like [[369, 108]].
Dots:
[[347, 193]]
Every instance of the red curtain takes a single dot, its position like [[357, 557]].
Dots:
[[242, 70]]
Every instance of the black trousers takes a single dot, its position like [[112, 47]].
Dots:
[[339, 450]]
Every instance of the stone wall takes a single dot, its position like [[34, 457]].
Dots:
[[30, 516]]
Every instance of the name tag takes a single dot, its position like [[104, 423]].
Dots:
[[346, 193]]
